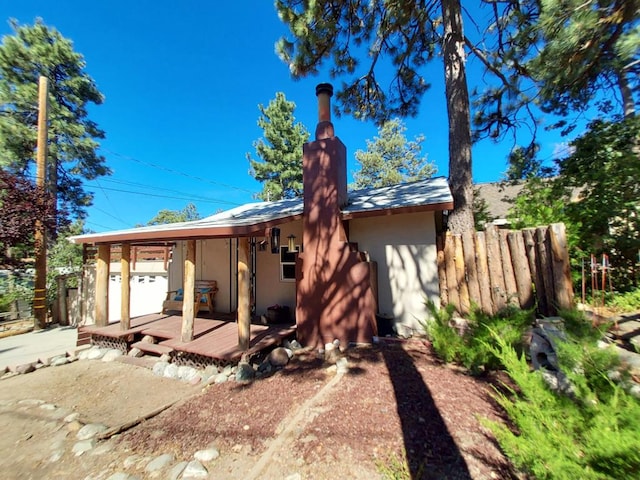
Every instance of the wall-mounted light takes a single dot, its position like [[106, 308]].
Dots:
[[275, 240], [292, 242]]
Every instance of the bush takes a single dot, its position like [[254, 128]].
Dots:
[[470, 344], [593, 435]]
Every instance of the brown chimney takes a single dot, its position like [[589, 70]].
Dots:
[[334, 297]]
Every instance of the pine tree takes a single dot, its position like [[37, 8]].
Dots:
[[280, 150], [407, 35], [30, 52], [390, 158], [187, 214]]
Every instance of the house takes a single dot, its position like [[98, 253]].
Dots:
[[338, 259]]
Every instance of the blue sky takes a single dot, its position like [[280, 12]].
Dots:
[[183, 81]]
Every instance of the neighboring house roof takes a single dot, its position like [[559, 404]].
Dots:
[[498, 197], [253, 218]]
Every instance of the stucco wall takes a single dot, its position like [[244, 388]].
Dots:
[[404, 246], [270, 290]]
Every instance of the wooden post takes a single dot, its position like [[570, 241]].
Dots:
[[63, 314], [188, 303], [521, 269], [483, 274], [461, 280], [496, 275], [507, 270], [102, 285], [40, 238], [450, 266], [469, 250], [125, 285], [546, 269], [244, 294], [561, 269]]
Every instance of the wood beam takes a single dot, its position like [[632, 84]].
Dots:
[[102, 285], [244, 294], [188, 313], [125, 298]]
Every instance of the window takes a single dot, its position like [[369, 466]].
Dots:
[[287, 264]]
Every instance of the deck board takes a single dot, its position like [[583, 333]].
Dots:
[[214, 338]]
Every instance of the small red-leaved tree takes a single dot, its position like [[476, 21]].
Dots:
[[21, 204]]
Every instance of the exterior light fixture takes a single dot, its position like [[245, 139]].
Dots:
[[275, 240], [292, 242]]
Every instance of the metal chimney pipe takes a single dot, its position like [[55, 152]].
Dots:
[[324, 92]]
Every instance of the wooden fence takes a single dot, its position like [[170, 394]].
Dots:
[[496, 268]]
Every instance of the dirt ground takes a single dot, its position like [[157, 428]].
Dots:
[[395, 403]]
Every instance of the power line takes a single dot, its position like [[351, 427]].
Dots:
[[189, 198]]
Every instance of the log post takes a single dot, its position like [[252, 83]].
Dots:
[[188, 301], [544, 265], [494, 261], [561, 270], [244, 294], [442, 272], [102, 285], [125, 298], [450, 266], [521, 269], [507, 271], [469, 249], [484, 281], [461, 279], [63, 314]]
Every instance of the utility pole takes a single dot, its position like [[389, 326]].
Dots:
[[40, 292]]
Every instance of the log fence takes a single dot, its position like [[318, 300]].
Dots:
[[495, 268]]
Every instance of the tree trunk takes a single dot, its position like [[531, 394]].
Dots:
[[458, 110]]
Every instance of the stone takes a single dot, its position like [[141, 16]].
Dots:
[[292, 345], [228, 370], [72, 417], [48, 406], [196, 380], [278, 357], [111, 355], [342, 365], [74, 426], [90, 430], [135, 352], [159, 463], [159, 367], [210, 370], [56, 456], [131, 461], [171, 371], [102, 449], [187, 374], [220, 378], [178, 468], [165, 357], [245, 373], [31, 402], [207, 455], [122, 476], [293, 476], [25, 368], [148, 339], [265, 366], [58, 361], [194, 470], [95, 353], [83, 446]]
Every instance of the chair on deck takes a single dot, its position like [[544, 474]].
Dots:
[[204, 296]]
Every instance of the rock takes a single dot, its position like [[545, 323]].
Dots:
[[72, 417], [265, 367], [171, 371], [292, 345], [83, 446], [207, 455], [148, 339], [102, 449], [83, 355], [95, 353], [159, 463], [228, 370], [31, 402], [90, 430], [278, 357], [165, 357], [56, 455], [135, 352], [122, 476], [131, 461], [25, 368], [245, 373], [58, 361], [293, 476], [196, 380], [342, 365], [177, 469], [74, 426], [210, 371], [111, 355], [159, 367], [188, 374], [220, 378], [48, 406], [194, 470]]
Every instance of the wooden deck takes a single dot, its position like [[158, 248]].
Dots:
[[213, 338]]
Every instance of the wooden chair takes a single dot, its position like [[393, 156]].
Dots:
[[204, 296]]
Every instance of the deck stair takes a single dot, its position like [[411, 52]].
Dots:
[[154, 348]]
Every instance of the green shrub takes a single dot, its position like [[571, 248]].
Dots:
[[625, 302], [593, 435], [469, 344]]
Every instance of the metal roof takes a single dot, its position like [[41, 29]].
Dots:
[[253, 218]]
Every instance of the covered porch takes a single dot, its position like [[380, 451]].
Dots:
[[214, 340]]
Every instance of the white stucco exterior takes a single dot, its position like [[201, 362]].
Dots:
[[404, 247]]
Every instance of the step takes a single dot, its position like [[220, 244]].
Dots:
[[152, 348], [84, 338]]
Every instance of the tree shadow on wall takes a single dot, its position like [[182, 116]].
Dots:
[[431, 452]]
